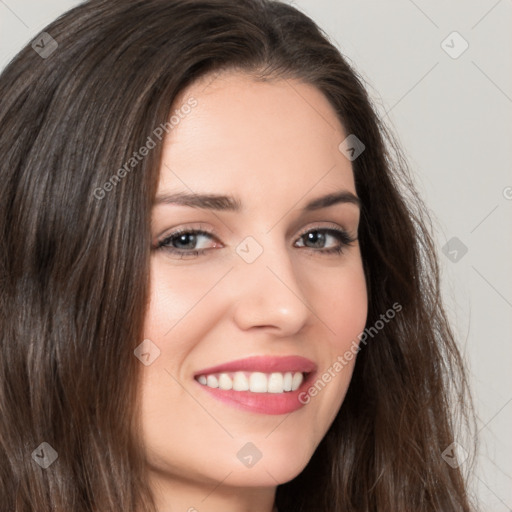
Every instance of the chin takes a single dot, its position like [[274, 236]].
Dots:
[[275, 472], [275, 467]]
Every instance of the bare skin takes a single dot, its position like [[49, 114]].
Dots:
[[273, 146]]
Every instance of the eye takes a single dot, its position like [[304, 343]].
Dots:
[[320, 237], [184, 242]]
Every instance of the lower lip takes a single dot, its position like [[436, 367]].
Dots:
[[263, 403]]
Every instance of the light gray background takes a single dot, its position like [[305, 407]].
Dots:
[[453, 117]]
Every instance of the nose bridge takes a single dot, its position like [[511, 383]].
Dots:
[[268, 288]]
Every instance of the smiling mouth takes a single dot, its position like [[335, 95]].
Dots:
[[254, 382]]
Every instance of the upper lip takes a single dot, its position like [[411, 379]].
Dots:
[[264, 364]]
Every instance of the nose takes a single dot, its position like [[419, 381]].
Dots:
[[269, 294]]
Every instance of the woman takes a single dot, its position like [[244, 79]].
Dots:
[[219, 288]]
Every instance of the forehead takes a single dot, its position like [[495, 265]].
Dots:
[[277, 137]]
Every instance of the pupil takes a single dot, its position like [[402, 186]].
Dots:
[[316, 236], [184, 237]]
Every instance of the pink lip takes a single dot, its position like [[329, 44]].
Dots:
[[264, 403], [264, 364]]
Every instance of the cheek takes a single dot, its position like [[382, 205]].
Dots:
[[349, 307], [347, 316], [177, 299], [168, 300], [340, 301], [342, 307]]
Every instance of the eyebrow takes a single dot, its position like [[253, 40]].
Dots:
[[230, 203]]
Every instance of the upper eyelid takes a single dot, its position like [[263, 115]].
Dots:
[[210, 231], [181, 231], [323, 226]]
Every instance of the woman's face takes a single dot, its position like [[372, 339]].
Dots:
[[262, 282]]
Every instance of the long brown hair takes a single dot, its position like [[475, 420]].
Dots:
[[74, 263]]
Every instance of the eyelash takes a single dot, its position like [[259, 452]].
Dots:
[[343, 237]]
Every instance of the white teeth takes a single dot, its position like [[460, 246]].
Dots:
[[287, 381], [297, 380], [258, 382], [240, 382], [225, 382], [212, 382], [255, 382], [275, 383]]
